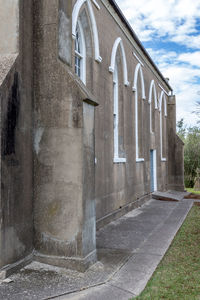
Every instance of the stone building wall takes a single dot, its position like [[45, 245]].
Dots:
[[16, 202], [119, 185], [67, 176]]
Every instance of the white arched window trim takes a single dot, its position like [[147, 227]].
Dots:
[[162, 98], [118, 42], [82, 55], [152, 91], [138, 70], [96, 4], [75, 14]]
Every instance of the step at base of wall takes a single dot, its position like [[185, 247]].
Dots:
[[169, 195], [122, 211], [12, 268], [74, 263]]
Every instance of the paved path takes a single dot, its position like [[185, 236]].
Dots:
[[147, 232], [129, 251]]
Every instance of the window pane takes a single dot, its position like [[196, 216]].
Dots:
[[79, 52], [78, 42], [78, 66]]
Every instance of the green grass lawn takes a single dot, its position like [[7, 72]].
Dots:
[[178, 274], [192, 191]]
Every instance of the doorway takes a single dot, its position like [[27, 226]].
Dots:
[[153, 171]]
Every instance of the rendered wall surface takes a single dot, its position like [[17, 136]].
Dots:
[[57, 134], [9, 26], [64, 209], [118, 185], [16, 229]]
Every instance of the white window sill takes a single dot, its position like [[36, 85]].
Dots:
[[139, 159], [119, 160], [133, 89], [127, 83], [99, 59]]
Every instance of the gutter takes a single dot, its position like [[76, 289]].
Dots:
[[124, 20]]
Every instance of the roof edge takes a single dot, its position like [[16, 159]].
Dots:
[[125, 21]]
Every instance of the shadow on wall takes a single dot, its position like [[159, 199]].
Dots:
[[8, 136]]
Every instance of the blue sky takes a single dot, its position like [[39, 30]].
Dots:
[[170, 31]]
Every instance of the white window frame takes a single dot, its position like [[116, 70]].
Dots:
[[152, 90], [82, 54], [138, 70], [162, 97], [118, 43], [75, 14], [116, 158], [114, 70]]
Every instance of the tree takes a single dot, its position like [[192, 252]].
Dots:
[[191, 155], [197, 111], [181, 129]]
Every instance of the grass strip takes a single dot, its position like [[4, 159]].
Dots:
[[178, 274], [193, 191]]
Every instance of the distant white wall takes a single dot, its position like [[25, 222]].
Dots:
[[9, 26]]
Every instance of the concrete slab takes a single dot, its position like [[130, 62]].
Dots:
[[105, 291], [41, 281], [155, 249], [169, 195], [144, 262], [129, 251], [131, 280], [131, 230]]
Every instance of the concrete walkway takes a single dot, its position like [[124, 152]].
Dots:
[[129, 251]]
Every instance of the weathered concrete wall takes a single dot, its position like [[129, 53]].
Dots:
[[119, 185], [9, 26], [16, 235], [57, 191], [65, 29], [89, 208], [64, 212], [175, 151]]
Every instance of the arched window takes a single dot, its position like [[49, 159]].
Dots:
[[80, 53], [153, 105], [116, 113], [139, 89], [75, 15], [163, 115], [119, 44], [118, 66]]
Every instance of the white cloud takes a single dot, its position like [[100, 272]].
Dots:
[[175, 19], [183, 78], [187, 40], [186, 105], [171, 21], [192, 58]]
